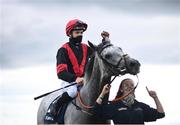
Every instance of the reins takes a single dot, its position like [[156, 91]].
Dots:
[[113, 101], [81, 101]]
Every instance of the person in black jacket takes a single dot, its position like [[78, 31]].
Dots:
[[128, 110], [72, 58]]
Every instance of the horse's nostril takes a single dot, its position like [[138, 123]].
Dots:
[[132, 64]]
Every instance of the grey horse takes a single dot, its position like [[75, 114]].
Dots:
[[107, 61]]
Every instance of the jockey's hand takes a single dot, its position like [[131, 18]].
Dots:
[[151, 93], [106, 89], [79, 80], [105, 34]]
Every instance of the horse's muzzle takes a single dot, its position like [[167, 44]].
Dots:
[[132, 66]]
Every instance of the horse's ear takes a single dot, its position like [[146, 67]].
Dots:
[[106, 40], [92, 46]]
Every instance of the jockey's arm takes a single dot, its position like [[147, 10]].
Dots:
[[66, 76], [62, 71]]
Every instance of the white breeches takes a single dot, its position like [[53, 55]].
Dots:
[[71, 90]]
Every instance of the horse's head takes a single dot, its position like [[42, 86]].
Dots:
[[113, 61]]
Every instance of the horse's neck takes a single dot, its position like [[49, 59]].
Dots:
[[90, 90]]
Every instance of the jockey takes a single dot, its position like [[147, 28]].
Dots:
[[71, 58]]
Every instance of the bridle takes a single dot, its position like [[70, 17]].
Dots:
[[112, 68]]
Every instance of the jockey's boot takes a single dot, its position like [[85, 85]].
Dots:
[[51, 115]]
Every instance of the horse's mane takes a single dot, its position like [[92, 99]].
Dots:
[[89, 67], [90, 64]]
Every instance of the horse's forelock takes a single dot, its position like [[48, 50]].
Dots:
[[102, 45]]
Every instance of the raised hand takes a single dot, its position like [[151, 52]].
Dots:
[[106, 89], [105, 34], [151, 93]]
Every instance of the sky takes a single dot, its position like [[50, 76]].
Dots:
[[31, 31]]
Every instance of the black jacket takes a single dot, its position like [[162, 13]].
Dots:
[[63, 58], [138, 113]]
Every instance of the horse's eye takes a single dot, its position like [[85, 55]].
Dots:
[[108, 56]]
